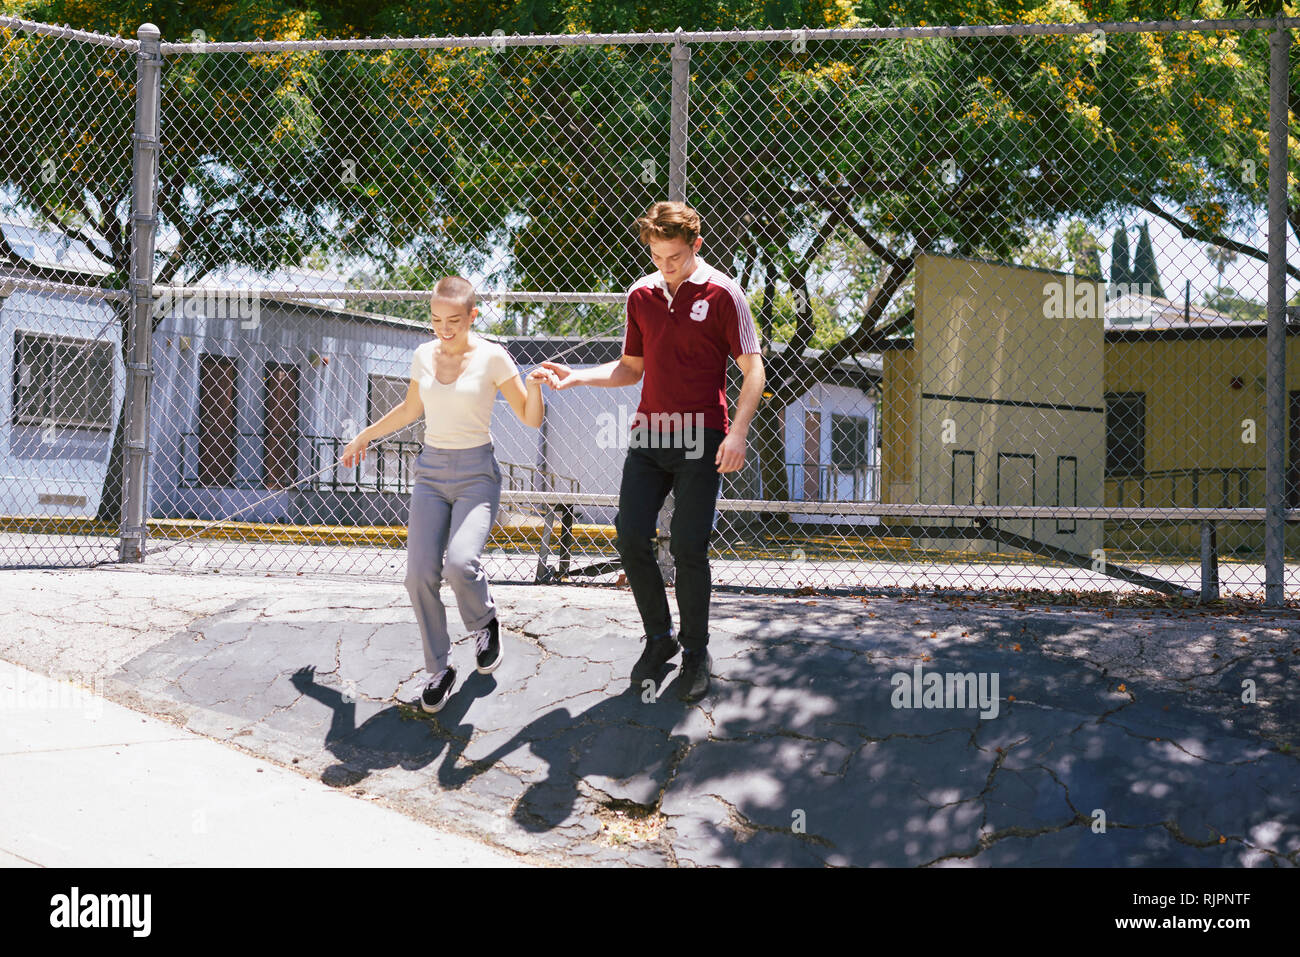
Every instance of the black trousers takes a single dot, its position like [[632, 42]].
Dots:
[[648, 476]]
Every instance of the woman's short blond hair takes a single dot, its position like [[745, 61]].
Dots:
[[457, 290]]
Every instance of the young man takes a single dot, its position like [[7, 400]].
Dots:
[[683, 321]]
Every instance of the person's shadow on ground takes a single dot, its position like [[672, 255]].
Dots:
[[624, 743], [624, 738], [387, 739]]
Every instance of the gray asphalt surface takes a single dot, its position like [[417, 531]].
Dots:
[[1118, 738]]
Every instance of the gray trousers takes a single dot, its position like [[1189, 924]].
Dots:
[[455, 495]]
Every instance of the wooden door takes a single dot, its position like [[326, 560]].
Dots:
[[279, 426], [812, 450], [217, 437]]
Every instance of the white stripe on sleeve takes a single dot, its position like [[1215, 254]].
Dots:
[[745, 319]]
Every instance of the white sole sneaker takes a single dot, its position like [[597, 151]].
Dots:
[[494, 666], [501, 649], [445, 698], [427, 710]]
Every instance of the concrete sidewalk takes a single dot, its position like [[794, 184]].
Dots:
[[1127, 737], [88, 783]]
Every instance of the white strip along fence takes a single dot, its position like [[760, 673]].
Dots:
[[1021, 292]]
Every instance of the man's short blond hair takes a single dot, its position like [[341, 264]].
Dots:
[[668, 221], [456, 290]]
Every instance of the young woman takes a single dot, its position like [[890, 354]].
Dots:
[[456, 483]]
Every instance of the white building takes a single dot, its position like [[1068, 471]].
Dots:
[[253, 400]]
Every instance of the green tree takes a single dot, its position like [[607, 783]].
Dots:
[[967, 146], [1146, 272], [1220, 259], [1226, 299], [1084, 249], [1121, 274]]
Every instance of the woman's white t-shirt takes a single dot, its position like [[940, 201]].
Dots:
[[458, 416]]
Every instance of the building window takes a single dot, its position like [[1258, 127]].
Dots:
[[63, 381], [850, 441], [1126, 437], [390, 461], [384, 392]]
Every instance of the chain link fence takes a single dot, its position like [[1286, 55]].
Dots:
[[1022, 293], [67, 100]]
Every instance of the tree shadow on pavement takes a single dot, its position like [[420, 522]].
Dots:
[[809, 760]]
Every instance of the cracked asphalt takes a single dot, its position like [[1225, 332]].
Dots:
[[1133, 737]]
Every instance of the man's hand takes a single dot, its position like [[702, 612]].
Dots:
[[731, 453], [562, 377], [625, 370]]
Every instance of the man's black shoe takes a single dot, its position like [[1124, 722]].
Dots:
[[696, 666], [658, 649], [438, 690]]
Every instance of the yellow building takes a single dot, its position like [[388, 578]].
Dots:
[[1013, 391]]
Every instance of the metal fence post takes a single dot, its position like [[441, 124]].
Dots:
[[1209, 563], [1275, 409], [139, 368], [678, 123], [678, 120]]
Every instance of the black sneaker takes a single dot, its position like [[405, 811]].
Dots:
[[437, 691], [658, 649], [487, 647], [695, 674]]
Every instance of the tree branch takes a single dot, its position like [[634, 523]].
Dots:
[[1192, 231]]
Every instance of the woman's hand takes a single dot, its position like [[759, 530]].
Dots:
[[526, 397], [541, 375], [355, 451]]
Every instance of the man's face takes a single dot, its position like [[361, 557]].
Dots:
[[674, 258], [449, 319]]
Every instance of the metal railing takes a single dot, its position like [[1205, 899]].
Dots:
[[1194, 487], [261, 460], [517, 477]]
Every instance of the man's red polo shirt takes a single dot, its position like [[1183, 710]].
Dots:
[[686, 340]]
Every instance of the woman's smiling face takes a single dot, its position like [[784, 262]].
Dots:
[[450, 321]]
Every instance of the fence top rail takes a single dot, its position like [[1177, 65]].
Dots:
[[486, 295], [987, 512], [498, 41], [11, 284], [67, 32]]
